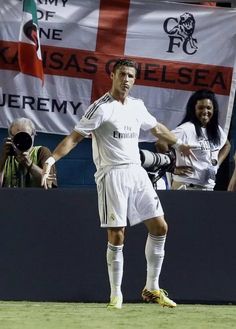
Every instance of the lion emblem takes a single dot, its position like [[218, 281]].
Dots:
[[185, 28]]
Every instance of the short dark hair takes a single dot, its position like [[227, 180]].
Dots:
[[125, 62]]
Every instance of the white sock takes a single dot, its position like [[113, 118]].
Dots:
[[154, 252], [115, 261]]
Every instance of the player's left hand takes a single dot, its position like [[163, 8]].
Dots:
[[185, 150]]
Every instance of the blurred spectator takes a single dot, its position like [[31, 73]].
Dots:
[[210, 145]]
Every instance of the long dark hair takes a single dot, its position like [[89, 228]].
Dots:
[[212, 128]]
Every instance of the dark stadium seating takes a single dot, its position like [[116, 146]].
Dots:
[[52, 248]]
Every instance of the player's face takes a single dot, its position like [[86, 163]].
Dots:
[[123, 79], [204, 111]]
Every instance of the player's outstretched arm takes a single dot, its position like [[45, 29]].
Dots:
[[62, 149], [164, 134]]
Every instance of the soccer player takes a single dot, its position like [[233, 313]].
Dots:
[[124, 189]]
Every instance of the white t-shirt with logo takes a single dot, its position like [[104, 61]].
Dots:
[[115, 129], [205, 167]]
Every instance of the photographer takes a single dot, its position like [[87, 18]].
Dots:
[[21, 162]]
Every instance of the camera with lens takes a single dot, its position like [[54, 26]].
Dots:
[[157, 164], [22, 142]]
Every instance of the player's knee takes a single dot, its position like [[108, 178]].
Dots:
[[116, 236], [162, 228], [157, 226]]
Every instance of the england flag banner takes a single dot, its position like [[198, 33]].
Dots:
[[179, 48]]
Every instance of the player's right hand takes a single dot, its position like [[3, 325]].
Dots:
[[45, 181], [47, 178]]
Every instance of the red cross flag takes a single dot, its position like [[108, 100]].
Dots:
[[179, 48]]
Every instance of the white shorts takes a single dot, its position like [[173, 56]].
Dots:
[[126, 191]]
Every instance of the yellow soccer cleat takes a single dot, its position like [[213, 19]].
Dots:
[[115, 303], [157, 296]]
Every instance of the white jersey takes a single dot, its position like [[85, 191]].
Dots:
[[115, 129], [205, 167]]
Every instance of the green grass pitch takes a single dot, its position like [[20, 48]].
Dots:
[[44, 315]]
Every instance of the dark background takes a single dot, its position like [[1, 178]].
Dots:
[[53, 249]]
